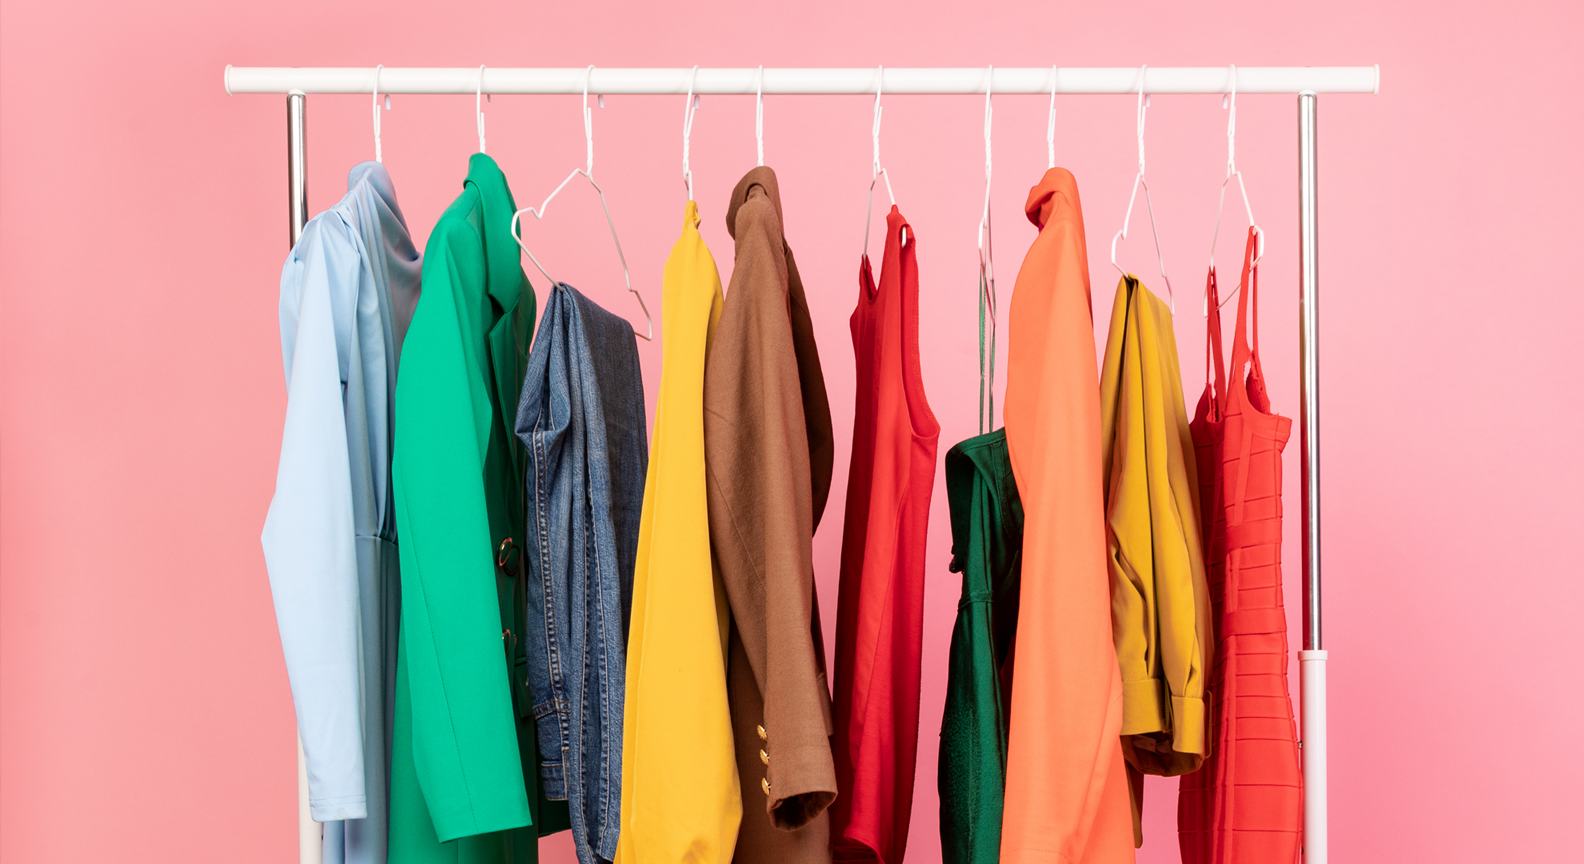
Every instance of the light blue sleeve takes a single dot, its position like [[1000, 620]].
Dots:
[[309, 535]]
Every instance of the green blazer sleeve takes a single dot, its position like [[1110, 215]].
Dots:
[[464, 740]]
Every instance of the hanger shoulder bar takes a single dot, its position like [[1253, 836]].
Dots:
[[1289, 80]]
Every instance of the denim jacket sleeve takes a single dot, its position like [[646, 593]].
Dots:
[[464, 739]]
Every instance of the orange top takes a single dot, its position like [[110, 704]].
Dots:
[[1066, 788]]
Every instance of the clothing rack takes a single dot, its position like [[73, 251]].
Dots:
[[1306, 82]]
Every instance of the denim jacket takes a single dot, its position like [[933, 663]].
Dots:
[[581, 418]]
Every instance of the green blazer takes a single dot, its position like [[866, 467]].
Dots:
[[463, 743]]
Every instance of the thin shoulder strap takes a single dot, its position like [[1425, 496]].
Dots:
[[1213, 339], [1254, 324], [1241, 354], [919, 413]]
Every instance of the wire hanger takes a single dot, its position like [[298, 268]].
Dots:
[[478, 107], [687, 132], [1138, 180], [987, 292], [759, 116], [984, 216], [877, 171], [1229, 102], [587, 172], [379, 155], [1050, 125]]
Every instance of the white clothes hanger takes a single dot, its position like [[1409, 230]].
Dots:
[[478, 107], [759, 116], [1229, 102], [1138, 180], [1050, 126], [987, 273], [587, 172], [687, 132], [877, 172], [987, 292], [379, 155]]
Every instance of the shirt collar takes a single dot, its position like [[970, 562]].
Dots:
[[1054, 198], [762, 178]]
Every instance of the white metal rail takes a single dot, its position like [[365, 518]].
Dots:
[[1290, 80], [1305, 82]]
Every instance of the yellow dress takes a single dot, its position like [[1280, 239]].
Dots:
[[1160, 603], [680, 797]]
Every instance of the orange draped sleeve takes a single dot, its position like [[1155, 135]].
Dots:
[[1066, 789]]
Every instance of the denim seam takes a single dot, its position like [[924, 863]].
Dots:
[[541, 493]]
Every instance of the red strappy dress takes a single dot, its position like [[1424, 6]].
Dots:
[[880, 615], [1246, 803]]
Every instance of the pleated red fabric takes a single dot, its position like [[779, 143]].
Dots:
[[880, 613], [1246, 803]]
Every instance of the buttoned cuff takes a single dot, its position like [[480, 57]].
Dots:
[[1188, 725], [799, 783], [1141, 707]]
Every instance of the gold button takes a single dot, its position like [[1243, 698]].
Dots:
[[764, 757], [507, 556], [764, 783], [762, 735]]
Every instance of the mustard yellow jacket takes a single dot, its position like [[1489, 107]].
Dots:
[[1160, 603], [680, 795]]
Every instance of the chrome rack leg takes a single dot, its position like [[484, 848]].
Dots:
[[297, 163], [1312, 659], [310, 834]]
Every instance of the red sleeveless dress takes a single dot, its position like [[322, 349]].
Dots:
[[880, 613], [1246, 803]]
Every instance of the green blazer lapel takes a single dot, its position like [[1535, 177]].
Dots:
[[502, 257], [508, 347], [505, 282]]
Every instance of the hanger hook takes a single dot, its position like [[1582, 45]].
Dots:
[[587, 174], [987, 292], [379, 156], [984, 217], [987, 276], [1229, 102], [588, 122], [875, 129], [1127, 218], [1149, 204], [759, 115], [687, 132], [989, 86], [1143, 113], [478, 107], [877, 171], [1050, 124]]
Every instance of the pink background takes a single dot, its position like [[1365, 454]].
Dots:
[[144, 709]]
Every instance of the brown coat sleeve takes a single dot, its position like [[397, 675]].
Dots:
[[761, 510]]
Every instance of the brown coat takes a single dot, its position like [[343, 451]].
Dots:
[[768, 451]]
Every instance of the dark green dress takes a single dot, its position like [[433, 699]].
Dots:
[[987, 544]]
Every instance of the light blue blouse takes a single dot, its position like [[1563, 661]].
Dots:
[[347, 295]]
